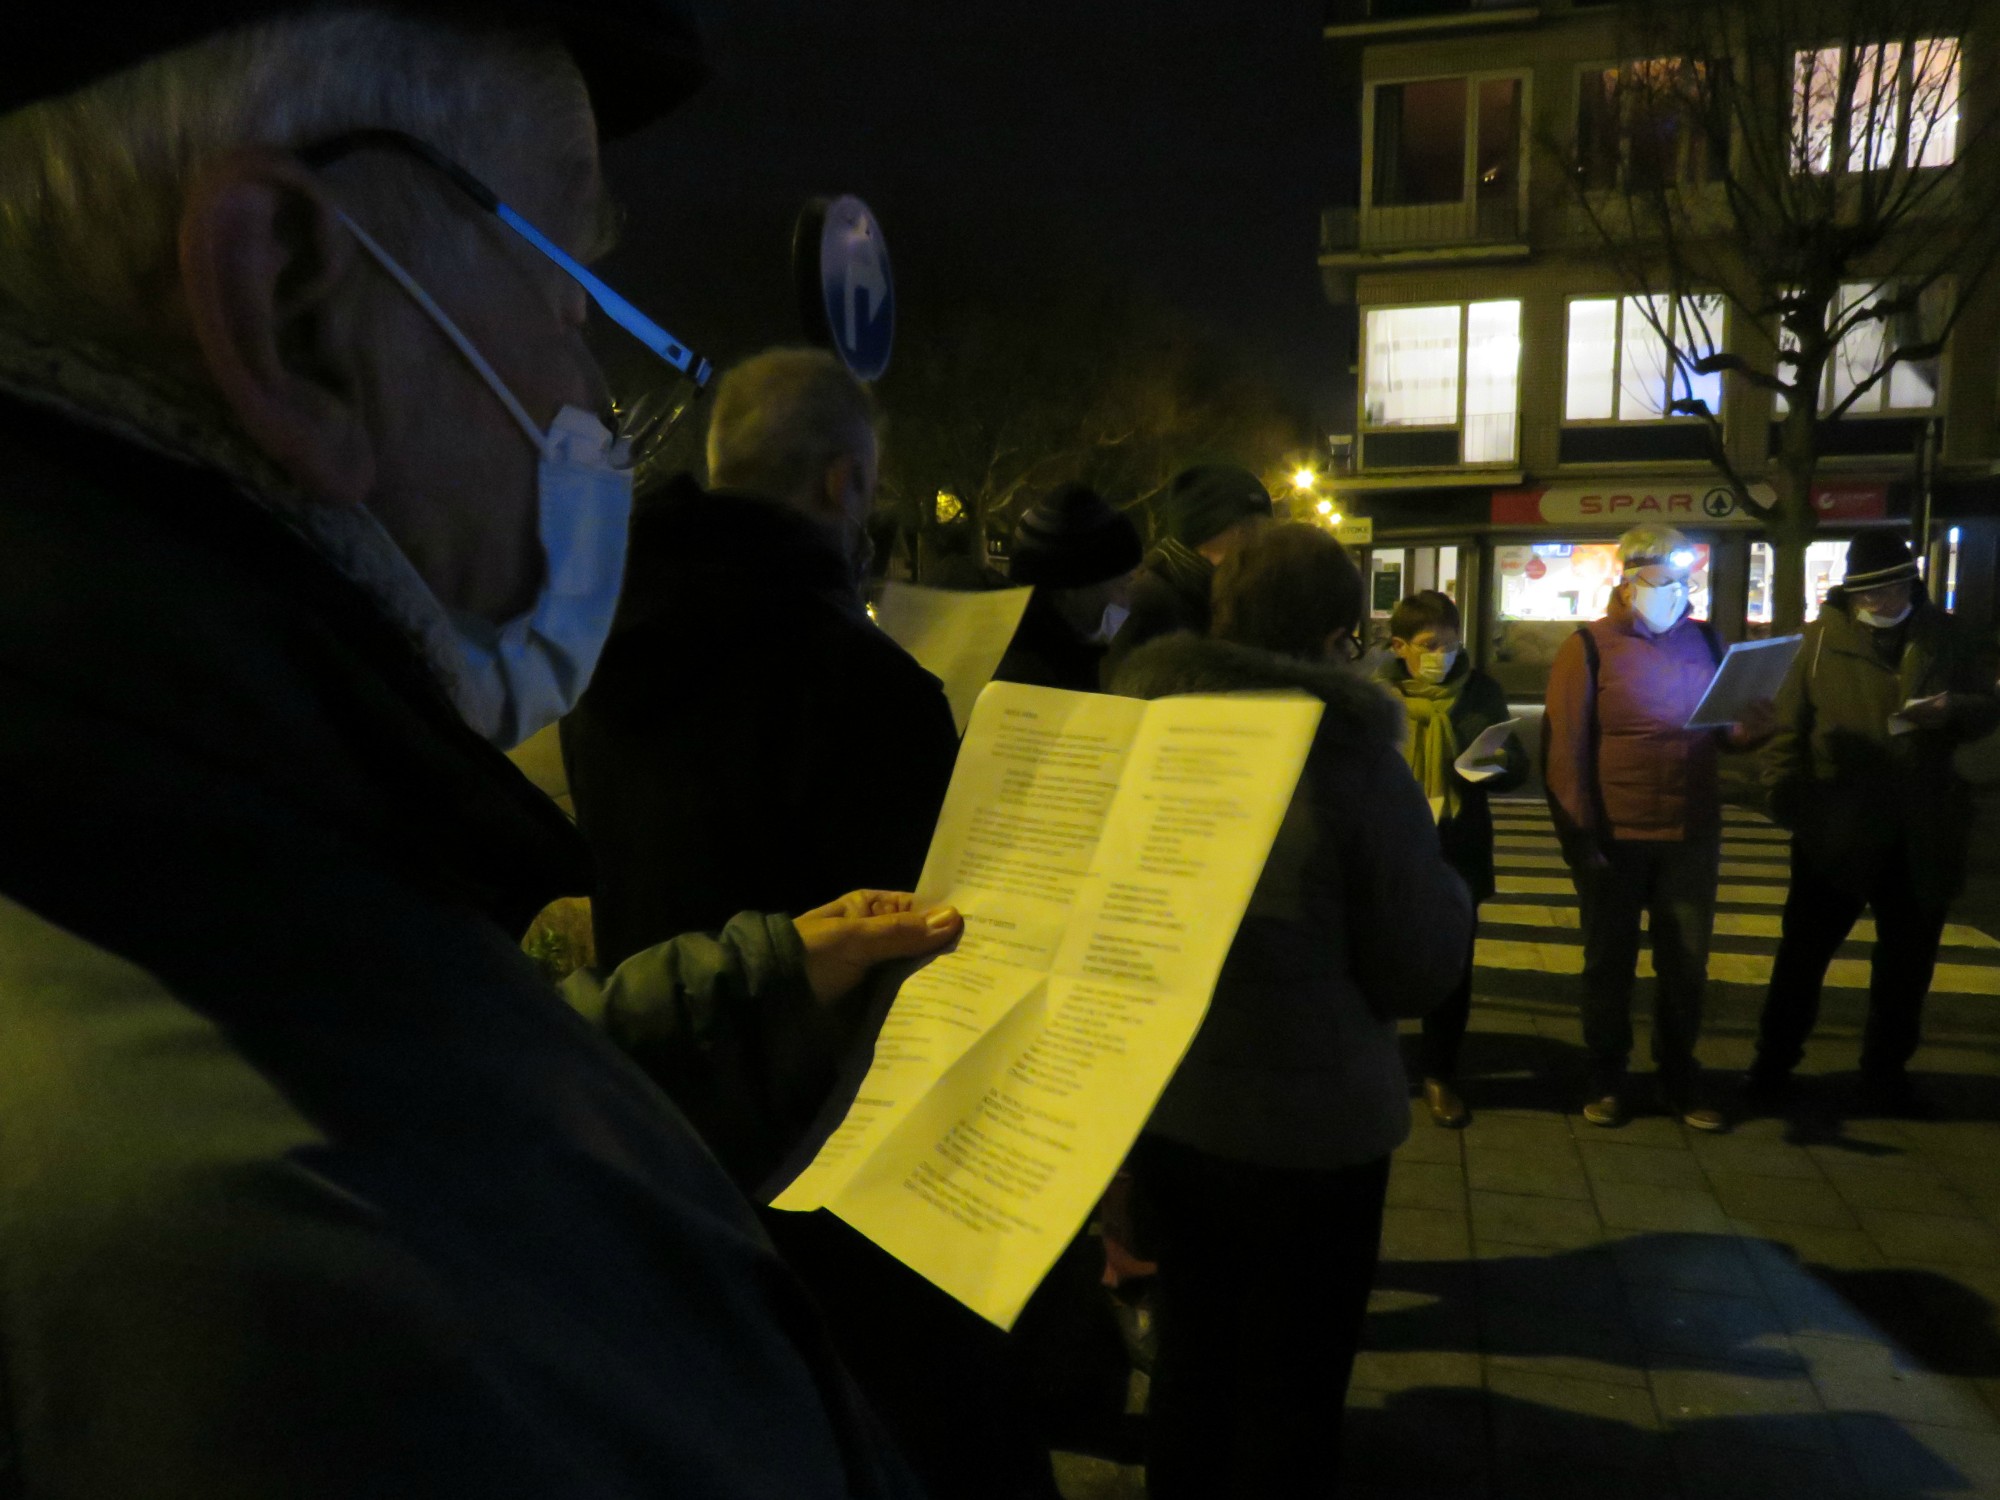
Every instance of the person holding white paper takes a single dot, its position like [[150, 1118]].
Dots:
[[1278, 1124], [1886, 687], [1636, 800], [1450, 704]]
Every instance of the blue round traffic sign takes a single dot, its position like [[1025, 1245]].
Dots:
[[854, 311]]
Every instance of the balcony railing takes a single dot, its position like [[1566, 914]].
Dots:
[[1422, 226], [1366, 12]]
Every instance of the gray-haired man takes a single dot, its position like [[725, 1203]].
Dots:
[[309, 1186]]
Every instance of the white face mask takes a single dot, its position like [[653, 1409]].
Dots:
[[525, 674], [1435, 666], [1883, 622], [1659, 605], [1115, 616]]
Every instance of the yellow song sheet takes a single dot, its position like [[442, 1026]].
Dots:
[[958, 636], [1103, 851]]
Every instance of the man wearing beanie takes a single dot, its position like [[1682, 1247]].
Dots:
[[1077, 553], [1886, 686], [1212, 510]]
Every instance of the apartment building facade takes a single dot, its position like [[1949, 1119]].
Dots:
[[1513, 404]]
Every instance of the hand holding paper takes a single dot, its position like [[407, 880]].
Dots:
[[1485, 757], [1102, 851]]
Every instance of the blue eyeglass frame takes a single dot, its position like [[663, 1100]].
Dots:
[[676, 353]]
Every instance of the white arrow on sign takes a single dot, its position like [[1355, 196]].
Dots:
[[864, 274]]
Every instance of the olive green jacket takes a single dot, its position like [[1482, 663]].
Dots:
[[1854, 793]]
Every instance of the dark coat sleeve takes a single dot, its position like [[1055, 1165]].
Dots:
[[1785, 761], [1568, 770], [1156, 611], [1409, 920], [729, 1028]]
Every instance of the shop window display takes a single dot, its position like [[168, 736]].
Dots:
[[1548, 589]]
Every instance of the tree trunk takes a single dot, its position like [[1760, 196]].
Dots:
[[1791, 527]]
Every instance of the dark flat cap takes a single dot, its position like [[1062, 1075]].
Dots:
[[640, 57]]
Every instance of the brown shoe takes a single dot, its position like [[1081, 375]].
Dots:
[[1447, 1109], [1607, 1110], [1704, 1117]]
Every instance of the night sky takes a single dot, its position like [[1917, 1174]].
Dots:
[[1189, 145]]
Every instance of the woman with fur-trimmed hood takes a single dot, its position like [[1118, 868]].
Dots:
[[1278, 1125]]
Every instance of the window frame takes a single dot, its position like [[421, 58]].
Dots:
[[1904, 85], [1945, 286], [1468, 192], [1619, 299], [1457, 424], [1682, 182]]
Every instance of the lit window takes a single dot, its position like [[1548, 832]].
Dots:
[[1873, 107], [1426, 131], [1453, 366], [1573, 580], [1883, 320], [1631, 358], [1826, 565]]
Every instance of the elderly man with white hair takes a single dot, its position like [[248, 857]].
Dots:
[[1636, 798], [308, 506]]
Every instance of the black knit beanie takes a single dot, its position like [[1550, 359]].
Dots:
[[1072, 539]]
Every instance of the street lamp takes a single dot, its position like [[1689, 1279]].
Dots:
[[1325, 508], [1304, 479]]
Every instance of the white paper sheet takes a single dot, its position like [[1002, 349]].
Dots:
[[1482, 758], [1751, 672], [957, 636], [1103, 851]]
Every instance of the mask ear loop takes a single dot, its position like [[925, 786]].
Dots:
[[451, 331]]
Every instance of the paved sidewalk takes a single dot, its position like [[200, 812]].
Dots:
[[1805, 1307]]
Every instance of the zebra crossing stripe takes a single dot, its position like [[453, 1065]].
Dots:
[[1733, 924], [1726, 968], [1561, 885], [1773, 854], [1509, 859]]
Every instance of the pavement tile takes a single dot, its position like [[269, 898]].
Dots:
[[1796, 1200], [1424, 1234], [1608, 1161], [1552, 1170], [1427, 1184], [1539, 1474], [1759, 1403], [1426, 1142], [1895, 1187], [1581, 1348], [1832, 1156], [1518, 1132], [1944, 1238], [1952, 1138], [1388, 1370], [1858, 1377], [1582, 1282], [1591, 1422], [1708, 1326], [1414, 1439], [1903, 1460], [1640, 1205], [1688, 1262], [1725, 1467], [1844, 1248], [1661, 1131], [1979, 1175], [1517, 1219], [1735, 1156]]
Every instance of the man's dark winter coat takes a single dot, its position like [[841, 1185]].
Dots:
[[1045, 652], [751, 741], [1849, 789], [1171, 593], [309, 1185]]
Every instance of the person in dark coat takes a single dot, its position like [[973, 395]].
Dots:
[[1078, 555], [1211, 510], [1884, 689], [312, 1186], [1277, 1127], [1450, 703], [749, 735], [742, 663]]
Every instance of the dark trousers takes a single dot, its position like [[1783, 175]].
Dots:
[[1818, 917], [1673, 884], [1444, 1028], [1252, 1368]]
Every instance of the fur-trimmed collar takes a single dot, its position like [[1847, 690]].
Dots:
[[1358, 709]]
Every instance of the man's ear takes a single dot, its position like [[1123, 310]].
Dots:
[[263, 263]]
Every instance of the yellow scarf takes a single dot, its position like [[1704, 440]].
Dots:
[[1433, 744]]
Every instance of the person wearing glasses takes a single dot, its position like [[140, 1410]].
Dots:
[[1277, 1126], [311, 502], [1636, 799]]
